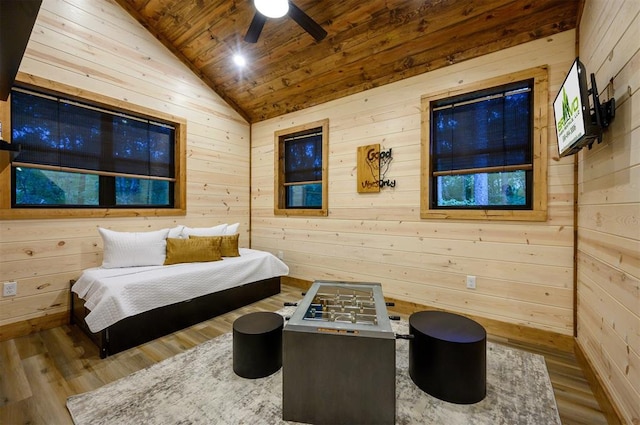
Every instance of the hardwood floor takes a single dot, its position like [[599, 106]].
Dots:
[[38, 372]]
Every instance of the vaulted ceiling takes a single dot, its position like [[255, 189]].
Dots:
[[370, 43]]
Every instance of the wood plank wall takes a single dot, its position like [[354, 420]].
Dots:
[[609, 207], [95, 45], [524, 269]]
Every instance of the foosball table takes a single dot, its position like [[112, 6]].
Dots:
[[338, 357]]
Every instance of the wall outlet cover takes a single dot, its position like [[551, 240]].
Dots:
[[471, 282], [9, 289]]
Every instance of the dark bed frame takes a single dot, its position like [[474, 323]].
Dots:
[[144, 327]]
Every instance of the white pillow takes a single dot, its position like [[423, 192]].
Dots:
[[232, 229], [218, 230], [125, 249], [176, 232]]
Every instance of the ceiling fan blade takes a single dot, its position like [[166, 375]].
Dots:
[[255, 28], [308, 24]]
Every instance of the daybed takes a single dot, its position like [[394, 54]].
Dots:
[[122, 307]]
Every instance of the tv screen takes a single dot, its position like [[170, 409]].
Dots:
[[574, 126]]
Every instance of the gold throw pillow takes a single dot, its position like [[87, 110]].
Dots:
[[228, 244], [191, 251]]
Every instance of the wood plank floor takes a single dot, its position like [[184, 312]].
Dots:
[[38, 372]]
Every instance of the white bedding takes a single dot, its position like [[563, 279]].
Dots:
[[113, 294]]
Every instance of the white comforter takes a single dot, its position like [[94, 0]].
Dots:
[[113, 294]]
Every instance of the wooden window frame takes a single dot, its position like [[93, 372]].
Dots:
[[538, 211], [279, 179], [59, 89]]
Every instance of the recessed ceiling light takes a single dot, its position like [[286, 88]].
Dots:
[[239, 60]]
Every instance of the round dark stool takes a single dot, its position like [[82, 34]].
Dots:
[[448, 356], [257, 344]]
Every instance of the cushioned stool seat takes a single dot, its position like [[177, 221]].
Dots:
[[447, 356], [257, 344]]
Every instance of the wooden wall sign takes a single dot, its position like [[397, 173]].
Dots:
[[373, 165], [368, 168]]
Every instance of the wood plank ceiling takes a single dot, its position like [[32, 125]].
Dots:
[[370, 43]]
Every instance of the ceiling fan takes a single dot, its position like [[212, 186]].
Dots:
[[276, 9]]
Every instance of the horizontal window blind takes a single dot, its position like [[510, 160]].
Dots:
[[490, 132], [303, 158], [62, 134]]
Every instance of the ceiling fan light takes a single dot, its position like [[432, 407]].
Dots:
[[272, 8]]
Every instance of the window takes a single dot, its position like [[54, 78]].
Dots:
[[484, 155], [88, 156], [301, 170]]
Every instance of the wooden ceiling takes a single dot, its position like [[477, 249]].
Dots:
[[369, 43]]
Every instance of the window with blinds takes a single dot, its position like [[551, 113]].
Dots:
[[74, 154], [301, 183], [481, 152], [303, 170]]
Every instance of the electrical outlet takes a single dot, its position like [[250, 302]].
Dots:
[[281, 255], [10, 289], [471, 282]]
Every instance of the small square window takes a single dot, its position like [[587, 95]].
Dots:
[[301, 170]]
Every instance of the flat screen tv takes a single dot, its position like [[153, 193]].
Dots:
[[576, 125]]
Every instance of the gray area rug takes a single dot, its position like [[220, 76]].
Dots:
[[200, 387]]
